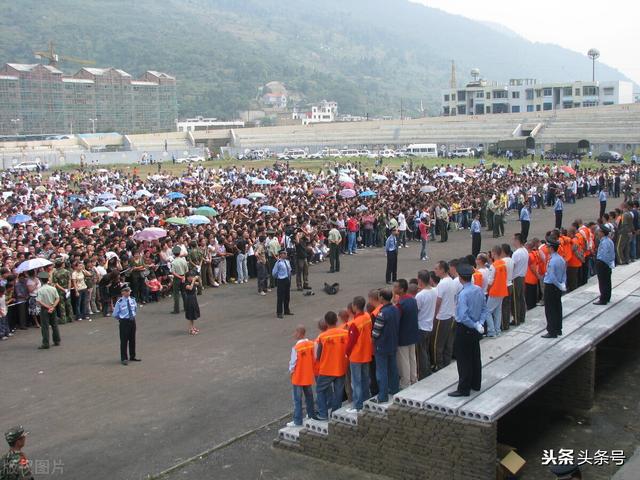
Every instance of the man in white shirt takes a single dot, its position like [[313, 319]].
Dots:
[[520, 259], [508, 300], [444, 316], [402, 228], [426, 299], [482, 269]]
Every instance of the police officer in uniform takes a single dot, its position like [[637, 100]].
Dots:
[[15, 465], [125, 311], [471, 314], [282, 273]]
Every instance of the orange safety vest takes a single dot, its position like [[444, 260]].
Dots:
[[530, 278], [574, 261], [363, 349], [587, 236], [542, 266], [477, 278], [565, 248], [333, 359], [303, 374], [499, 286]]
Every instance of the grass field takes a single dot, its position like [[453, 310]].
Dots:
[[315, 165]]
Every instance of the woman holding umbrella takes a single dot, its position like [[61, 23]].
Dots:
[[191, 307]]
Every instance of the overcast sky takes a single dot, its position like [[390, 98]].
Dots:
[[612, 26]]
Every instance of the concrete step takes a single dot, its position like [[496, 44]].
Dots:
[[317, 426], [344, 416], [375, 407], [290, 434]]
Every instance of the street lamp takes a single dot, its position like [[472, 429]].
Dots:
[[93, 124], [593, 54], [16, 122]]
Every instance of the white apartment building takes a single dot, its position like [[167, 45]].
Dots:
[[322, 112], [481, 97]]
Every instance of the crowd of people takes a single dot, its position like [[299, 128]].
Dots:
[[94, 230]]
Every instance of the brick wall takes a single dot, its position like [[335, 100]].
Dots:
[[409, 444]]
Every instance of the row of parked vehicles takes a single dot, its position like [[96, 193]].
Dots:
[[414, 150]]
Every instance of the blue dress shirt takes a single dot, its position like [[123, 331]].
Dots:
[[602, 196], [282, 269], [607, 252], [125, 308], [471, 309], [556, 272], [525, 216], [391, 244], [558, 206], [475, 226]]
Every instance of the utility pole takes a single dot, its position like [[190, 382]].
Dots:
[[593, 54], [93, 124], [401, 111]]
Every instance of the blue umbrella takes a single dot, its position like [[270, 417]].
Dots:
[[240, 201], [268, 209], [19, 218], [263, 181], [367, 193], [106, 196], [175, 195], [73, 198], [198, 220]]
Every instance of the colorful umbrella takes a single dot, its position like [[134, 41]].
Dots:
[[569, 170], [263, 181], [175, 195], [177, 221], [268, 209], [240, 201], [150, 234], [82, 224], [367, 193], [320, 191], [348, 193], [20, 218], [37, 262], [206, 211], [197, 220]]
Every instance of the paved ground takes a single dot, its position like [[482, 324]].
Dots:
[[106, 421]]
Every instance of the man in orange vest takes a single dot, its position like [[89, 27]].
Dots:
[[574, 260], [532, 277], [497, 291], [374, 305], [301, 368], [359, 351], [331, 354]]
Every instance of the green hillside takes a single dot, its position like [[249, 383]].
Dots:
[[365, 54]]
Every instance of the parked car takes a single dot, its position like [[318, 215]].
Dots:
[[610, 157], [292, 154], [386, 153], [190, 159], [26, 167], [463, 152], [349, 153]]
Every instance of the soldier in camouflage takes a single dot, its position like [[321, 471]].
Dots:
[[62, 281], [195, 257], [15, 465]]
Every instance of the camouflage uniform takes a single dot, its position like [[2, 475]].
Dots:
[[14, 465], [61, 276], [195, 258]]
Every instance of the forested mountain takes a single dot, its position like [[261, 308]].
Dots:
[[365, 54]]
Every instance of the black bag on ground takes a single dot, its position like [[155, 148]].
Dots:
[[331, 289]]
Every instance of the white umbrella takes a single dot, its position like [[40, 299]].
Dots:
[[32, 264], [379, 178], [254, 195], [428, 189], [100, 210], [5, 224], [143, 193], [457, 179], [198, 220], [126, 208]]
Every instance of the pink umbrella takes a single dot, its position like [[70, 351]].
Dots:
[[150, 234], [82, 224], [348, 193], [320, 191]]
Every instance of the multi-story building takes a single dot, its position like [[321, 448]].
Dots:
[[40, 99], [322, 112], [480, 97]]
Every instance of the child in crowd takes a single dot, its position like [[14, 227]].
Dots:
[[154, 286], [302, 372]]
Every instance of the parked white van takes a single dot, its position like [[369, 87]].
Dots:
[[422, 150]]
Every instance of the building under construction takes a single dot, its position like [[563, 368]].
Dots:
[[41, 99]]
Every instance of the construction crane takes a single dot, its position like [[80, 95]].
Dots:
[[54, 58]]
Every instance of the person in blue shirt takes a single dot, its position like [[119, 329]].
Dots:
[[476, 236], [282, 274], [391, 249], [558, 208], [471, 314], [555, 281], [385, 333], [605, 261], [125, 311], [602, 196], [525, 221]]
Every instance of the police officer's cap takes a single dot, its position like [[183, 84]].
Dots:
[[14, 434], [43, 275], [125, 288], [564, 472], [464, 269], [282, 250], [552, 242], [604, 229], [176, 250]]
